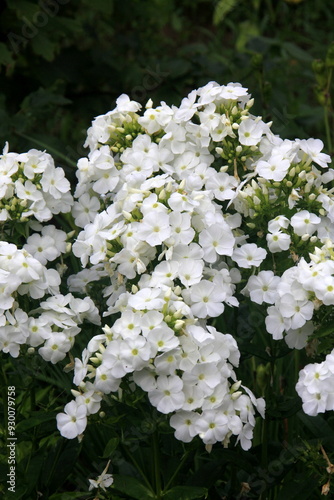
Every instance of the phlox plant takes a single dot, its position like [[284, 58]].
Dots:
[[182, 219]]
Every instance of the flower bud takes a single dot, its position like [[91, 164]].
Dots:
[[235, 386], [179, 324], [250, 103], [149, 104], [236, 395]]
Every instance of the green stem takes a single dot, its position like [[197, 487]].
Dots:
[[178, 468], [328, 131], [272, 12], [135, 463], [327, 111], [157, 475]]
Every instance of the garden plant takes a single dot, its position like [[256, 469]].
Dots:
[[166, 276], [193, 233]]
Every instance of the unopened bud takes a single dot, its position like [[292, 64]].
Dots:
[[179, 324], [250, 103], [149, 104], [235, 386]]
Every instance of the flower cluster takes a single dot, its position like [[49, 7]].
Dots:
[[182, 213], [31, 186], [315, 386], [159, 232], [54, 324]]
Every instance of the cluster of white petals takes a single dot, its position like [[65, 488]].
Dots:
[[32, 187], [181, 213]]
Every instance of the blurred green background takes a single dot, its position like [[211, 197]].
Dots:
[[62, 62]]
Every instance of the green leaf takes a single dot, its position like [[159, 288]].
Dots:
[[223, 7], [59, 463], [247, 31], [37, 419], [301, 487], [298, 53], [43, 47], [319, 428], [110, 447], [24, 8], [133, 487], [186, 493], [69, 496], [5, 55], [101, 5]]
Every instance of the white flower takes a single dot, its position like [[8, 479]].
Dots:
[[263, 287], [53, 181], [73, 422], [298, 311], [147, 298], [275, 323], [91, 399], [280, 222], [278, 241], [103, 481], [222, 185], [249, 255], [216, 240], [55, 348], [168, 362], [135, 353], [154, 228], [190, 272], [85, 209], [324, 289], [184, 423], [297, 339], [162, 339], [275, 168], [205, 299], [312, 147], [250, 132], [212, 426], [304, 222], [41, 248], [168, 395], [205, 375]]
